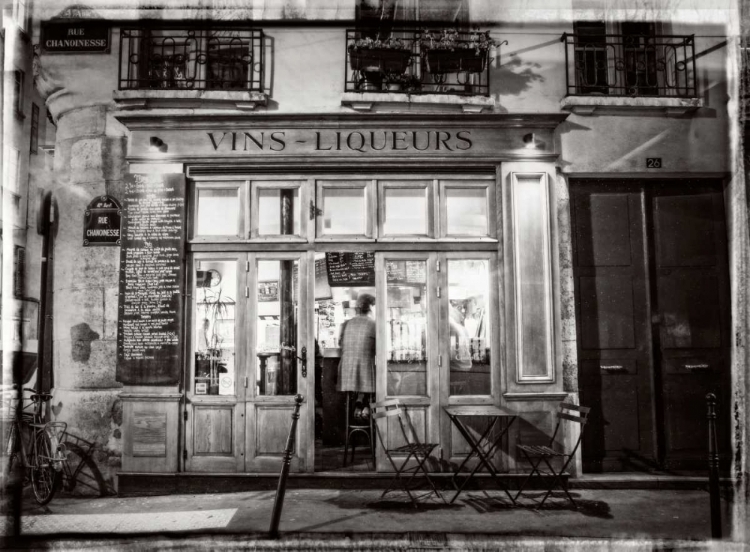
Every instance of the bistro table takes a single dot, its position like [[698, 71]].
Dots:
[[492, 414]]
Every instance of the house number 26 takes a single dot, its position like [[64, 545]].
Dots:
[[653, 162]]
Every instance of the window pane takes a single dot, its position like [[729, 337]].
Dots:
[[276, 323], [405, 211], [214, 296], [278, 212], [218, 212], [344, 211], [466, 211], [470, 332], [406, 323]]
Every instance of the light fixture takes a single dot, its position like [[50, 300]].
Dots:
[[529, 141], [157, 145]]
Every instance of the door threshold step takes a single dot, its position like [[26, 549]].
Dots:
[[140, 483]]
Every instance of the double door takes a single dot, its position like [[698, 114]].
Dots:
[[653, 320], [252, 337]]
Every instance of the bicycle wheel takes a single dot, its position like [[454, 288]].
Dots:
[[44, 478]]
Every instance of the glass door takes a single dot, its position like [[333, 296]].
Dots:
[[249, 353], [407, 344]]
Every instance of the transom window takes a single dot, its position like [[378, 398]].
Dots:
[[345, 208]]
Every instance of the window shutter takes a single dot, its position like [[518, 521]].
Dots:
[[19, 271]]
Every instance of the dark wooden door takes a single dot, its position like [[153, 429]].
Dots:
[[614, 342], [691, 316], [652, 308]]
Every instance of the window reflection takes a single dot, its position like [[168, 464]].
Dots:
[[214, 295], [470, 333], [276, 323], [466, 210], [278, 212], [344, 211], [218, 212]]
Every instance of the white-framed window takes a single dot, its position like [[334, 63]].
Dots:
[[18, 82], [12, 168], [219, 210], [22, 14]]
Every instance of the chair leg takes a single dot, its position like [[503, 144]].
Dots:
[[534, 469], [420, 467], [555, 482], [346, 418]]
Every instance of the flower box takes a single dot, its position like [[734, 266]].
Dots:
[[383, 60], [455, 61]]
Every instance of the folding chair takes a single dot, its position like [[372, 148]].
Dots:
[[413, 448], [536, 454]]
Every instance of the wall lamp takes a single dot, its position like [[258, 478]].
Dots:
[[157, 145], [529, 141]]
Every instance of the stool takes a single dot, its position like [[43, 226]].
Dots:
[[356, 427]]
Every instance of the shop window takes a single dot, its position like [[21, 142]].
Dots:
[[345, 208], [406, 208], [276, 327], [275, 209], [215, 297], [406, 311], [465, 209], [469, 326], [218, 210]]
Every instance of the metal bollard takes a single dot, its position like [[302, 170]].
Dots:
[[713, 469], [278, 504]]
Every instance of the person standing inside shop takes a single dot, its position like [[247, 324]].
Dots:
[[357, 366]]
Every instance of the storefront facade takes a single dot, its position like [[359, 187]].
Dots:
[[514, 243]]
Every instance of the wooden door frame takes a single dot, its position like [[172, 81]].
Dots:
[[305, 440], [208, 463]]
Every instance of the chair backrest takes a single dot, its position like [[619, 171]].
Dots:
[[389, 408], [572, 413]]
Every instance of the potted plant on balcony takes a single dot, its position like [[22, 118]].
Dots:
[[402, 82], [445, 52], [374, 58]]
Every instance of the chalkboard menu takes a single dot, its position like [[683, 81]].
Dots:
[[350, 269], [151, 280]]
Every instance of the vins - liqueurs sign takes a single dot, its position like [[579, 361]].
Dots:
[[101, 222]]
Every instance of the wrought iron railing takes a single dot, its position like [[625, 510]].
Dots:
[[630, 65], [407, 65], [212, 58]]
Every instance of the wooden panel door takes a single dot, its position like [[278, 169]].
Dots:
[[280, 351], [407, 345], [214, 407], [614, 348], [691, 316]]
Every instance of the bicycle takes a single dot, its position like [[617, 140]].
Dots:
[[35, 443]]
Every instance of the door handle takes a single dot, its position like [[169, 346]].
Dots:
[[302, 359]]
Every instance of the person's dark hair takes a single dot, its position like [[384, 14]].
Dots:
[[365, 302]]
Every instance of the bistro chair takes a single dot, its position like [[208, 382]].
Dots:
[[413, 448], [358, 427], [536, 454]]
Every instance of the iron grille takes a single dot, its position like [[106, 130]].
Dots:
[[415, 69], [630, 65], [215, 58]]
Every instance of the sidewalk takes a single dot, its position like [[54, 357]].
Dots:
[[356, 519]]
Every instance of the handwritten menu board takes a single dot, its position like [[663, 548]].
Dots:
[[322, 289], [405, 272], [151, 280], [350, 269]]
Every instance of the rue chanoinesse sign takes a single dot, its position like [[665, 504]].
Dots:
[[367, 142], [74, 37]]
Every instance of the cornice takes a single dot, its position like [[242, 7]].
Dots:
[[156, 120]]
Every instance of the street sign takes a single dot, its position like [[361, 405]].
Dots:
[[101, 222]]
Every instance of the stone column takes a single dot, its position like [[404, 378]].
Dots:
[[89, 162]]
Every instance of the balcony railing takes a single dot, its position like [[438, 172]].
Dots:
[[630, 65], [215, 58], [415, 69]]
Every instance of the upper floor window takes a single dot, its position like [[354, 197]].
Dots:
[[21, 14], [34, 140], [18, 82], [629, 59], [12, 168], [193, 58]]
